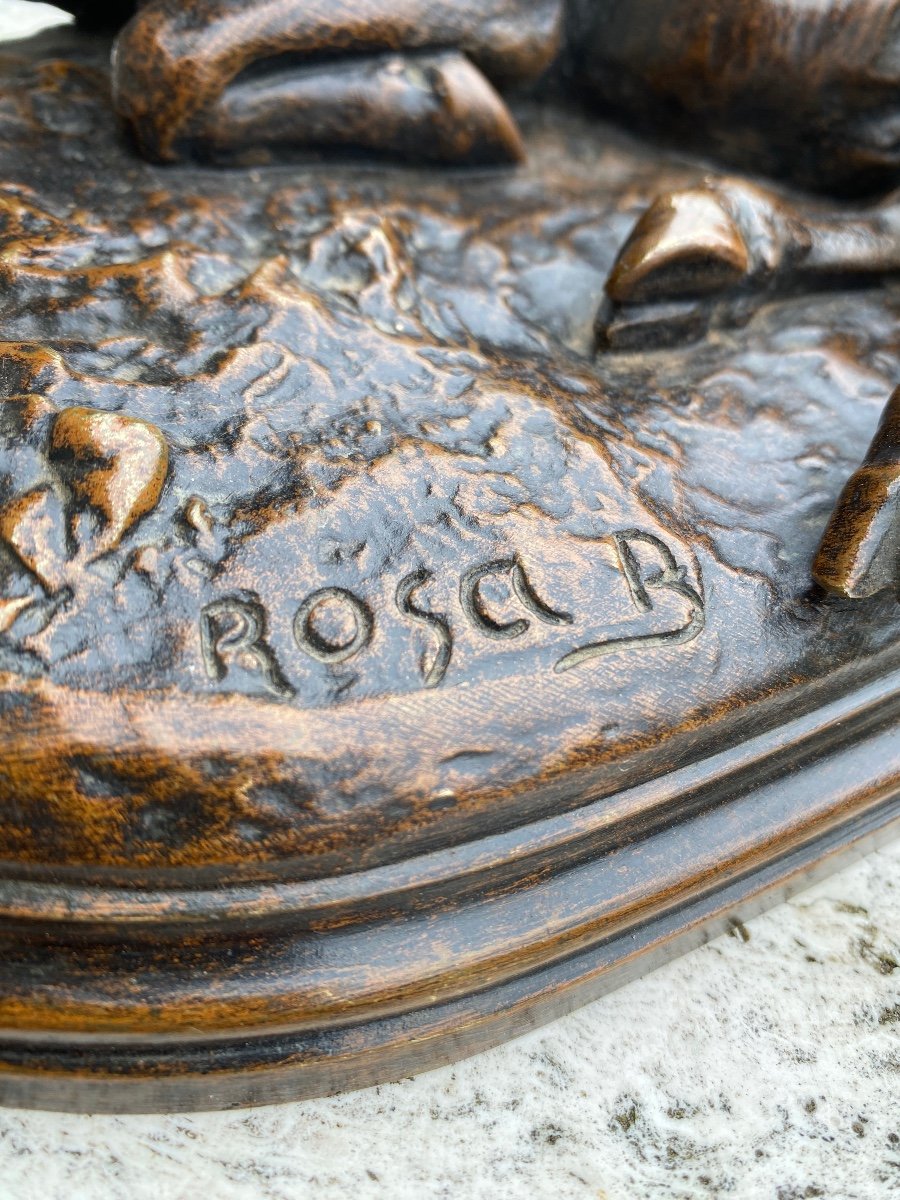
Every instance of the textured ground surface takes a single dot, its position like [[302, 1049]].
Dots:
[[763, 1065], [247, 410]]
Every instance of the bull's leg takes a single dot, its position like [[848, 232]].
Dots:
[[701, 254], [427, 106], [182, 78], [860, 553], [711, 253]]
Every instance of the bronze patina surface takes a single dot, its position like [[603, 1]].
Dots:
[[383, 669]]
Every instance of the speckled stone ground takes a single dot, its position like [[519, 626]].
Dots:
[[766, 1064]]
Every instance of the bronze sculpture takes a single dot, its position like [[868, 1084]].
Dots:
[[384, 669], [807, 92], [797, 90]]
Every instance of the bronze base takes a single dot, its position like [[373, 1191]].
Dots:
[[412, 966], [382, 672]]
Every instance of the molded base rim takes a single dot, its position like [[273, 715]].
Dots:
[[260, 1072], [617, 915]]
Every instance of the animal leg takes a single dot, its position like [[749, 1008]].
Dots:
[[711, 254], [435, 107], [176, 59], [860, 553]]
